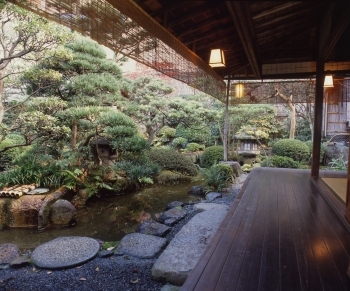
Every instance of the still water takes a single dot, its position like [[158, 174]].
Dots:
[[107, 219]]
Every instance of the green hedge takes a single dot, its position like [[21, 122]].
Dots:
[[170, 159], [291, 148], [211, 156], [280, 162]]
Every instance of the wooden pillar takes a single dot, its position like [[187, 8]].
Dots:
[[316, 146], [348, 184], [225, 141]]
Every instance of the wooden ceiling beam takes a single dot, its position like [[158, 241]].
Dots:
[[199, 26], [243, 22], [224, 30], [329, 40], [132, 10], [169, 6], [208, 8], [276, 10]]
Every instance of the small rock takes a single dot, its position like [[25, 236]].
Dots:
[[172, 216], [62, 212], [170, 222], [105, 254], [197, 190], [154, 228], [144, 216], [20, 261], [169, 287], [211, 196], [174, 204], [8, 252]]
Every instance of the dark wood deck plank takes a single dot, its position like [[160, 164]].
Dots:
[[269, 274], [214, 267], [311, 215], [288, 268], [250, 272], [308, 272], [282, 235]]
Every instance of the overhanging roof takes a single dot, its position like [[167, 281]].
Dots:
[[261, 39]]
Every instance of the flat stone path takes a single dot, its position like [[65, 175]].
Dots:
[[185, 249], [64, 252]]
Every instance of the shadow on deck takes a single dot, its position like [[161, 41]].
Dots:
[[281, 233]]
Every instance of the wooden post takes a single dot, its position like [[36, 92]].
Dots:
[[316, 145], [348, 186], [226, 121]]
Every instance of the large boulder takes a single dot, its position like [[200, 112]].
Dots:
[[184, 251], [62, 212]]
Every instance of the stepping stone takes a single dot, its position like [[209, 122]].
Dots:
[[154, 228], [183, 252], [211, 206], [8, 252], [174, 204], [64, 252], [211, 196], [140, 245], [172, 216]]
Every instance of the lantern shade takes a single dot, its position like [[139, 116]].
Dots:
[[239, 88], [328, 81], [217, 58]]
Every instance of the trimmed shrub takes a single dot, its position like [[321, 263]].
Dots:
[[280, 162], [170, 178], [211, 156], [323, 149], [292, 148], [170, 159], [179, 142], [194, 147]]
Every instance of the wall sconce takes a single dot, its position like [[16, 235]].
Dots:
[[217, 58], [239, 88], [328, 81]]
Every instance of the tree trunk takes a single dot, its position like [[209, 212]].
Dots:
[[74, 136], [292, 120], [291, 107], [2, 110]]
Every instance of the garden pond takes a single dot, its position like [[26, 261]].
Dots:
[[108, 218]]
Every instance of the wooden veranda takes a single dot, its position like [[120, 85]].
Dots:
[[280, 234]]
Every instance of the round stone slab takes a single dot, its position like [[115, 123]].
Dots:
[[64, 252]]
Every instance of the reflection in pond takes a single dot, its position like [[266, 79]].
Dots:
[[107, 219]]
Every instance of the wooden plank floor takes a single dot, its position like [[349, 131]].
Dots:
[[279, 234]]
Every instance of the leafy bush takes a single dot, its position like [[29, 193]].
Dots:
[[323, 149], [338, 164], [142, 171], [200, 135], [194, 147], [211, 156], [170, 159], [217, 176], [164, 135], [8, 156], [170, 178], [179, 142], [292, 148], [280, 162]]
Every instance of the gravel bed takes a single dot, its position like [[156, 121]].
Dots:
[[118, 273]]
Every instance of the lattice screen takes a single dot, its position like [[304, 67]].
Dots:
[[102, 22]]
